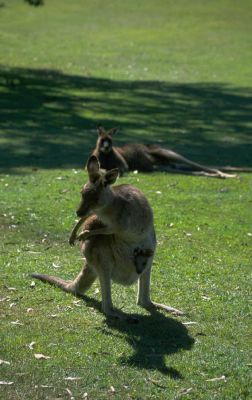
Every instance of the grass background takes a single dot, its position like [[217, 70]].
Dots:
[[177, 73]]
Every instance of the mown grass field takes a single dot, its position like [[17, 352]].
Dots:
[[177, 73]]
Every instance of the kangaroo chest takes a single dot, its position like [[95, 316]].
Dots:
[[108, 161]]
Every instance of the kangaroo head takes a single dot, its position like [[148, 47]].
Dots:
[[104, 142], [96, 193]]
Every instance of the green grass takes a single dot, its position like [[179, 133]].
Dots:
[[173, 72]]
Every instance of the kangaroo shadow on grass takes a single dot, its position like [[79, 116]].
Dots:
[[152, 338]]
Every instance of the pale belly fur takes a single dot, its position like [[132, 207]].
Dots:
[[117, 256]]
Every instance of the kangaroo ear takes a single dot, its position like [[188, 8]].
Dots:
[[100, 130], [111, 176], [93, 168], [112, 131]]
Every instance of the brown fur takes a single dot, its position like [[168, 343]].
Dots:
[[118, 240], [140, 256], [148, 158]]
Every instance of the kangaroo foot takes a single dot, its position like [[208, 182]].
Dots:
[[152, 306], [224, 175]]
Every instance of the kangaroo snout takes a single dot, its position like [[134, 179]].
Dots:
[[82, 211], [79, 213]]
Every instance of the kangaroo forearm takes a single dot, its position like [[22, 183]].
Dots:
[[75, 230], [77, 226], [100, 231], [124, 165]]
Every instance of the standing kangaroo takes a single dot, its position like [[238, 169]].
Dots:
[[147, 158], [118, 240]]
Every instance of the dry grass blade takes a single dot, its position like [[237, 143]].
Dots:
[[220, 378], [4, 362], [40, 356], [72, 378]]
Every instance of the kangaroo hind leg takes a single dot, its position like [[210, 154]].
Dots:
[[169, 157], [143, 296], [84, 280], [107, 304]]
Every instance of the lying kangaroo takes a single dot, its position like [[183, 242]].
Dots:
[[118, 240], [147, 158]]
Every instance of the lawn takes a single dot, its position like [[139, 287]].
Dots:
[[174, 72]]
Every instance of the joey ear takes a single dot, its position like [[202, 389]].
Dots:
[[111, 176], [100, 130], [112, 131], [93, 167]]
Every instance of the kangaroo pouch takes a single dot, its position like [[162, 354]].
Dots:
[[104, 252]]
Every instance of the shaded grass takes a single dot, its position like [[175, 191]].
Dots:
[[51, 118]]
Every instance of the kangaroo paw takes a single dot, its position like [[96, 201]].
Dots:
[[71, 240], [83, 236]]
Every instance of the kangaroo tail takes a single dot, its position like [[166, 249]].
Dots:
[[169, 156], [235, 169], [77, 287], [67, 286]]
